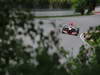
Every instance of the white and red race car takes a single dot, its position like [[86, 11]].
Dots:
[[71, 28]]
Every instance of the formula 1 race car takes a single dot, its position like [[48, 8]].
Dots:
[[71, 29]]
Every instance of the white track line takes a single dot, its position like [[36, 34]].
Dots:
[[87, 45]]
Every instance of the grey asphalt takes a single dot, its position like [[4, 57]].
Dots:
[[71, 43]]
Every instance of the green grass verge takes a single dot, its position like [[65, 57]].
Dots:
[[59, 16]]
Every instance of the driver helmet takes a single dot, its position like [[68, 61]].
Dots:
[[71, 23]]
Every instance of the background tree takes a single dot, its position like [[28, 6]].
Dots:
[[91, 4], [98, 2], [83, 5]]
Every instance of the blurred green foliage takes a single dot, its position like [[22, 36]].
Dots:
[[16, 23], [83, 5], [16, 58]]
